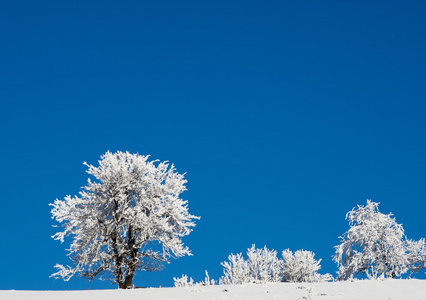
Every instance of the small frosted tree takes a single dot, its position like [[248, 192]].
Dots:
[[129, 219], [264, 266], [235, 270], [302, 267], [261, 266], [376, 246]]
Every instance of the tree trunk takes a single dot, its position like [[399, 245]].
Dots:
[[128, 281]]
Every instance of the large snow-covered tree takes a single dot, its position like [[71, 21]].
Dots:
[[376, 246], [130, 218]]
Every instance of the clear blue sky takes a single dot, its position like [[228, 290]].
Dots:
[[284, 114]]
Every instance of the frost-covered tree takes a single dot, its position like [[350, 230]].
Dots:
[[261, 266], [130, 218], [375, 245], [302, 267]]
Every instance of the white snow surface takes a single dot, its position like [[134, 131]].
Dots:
[[359, 290]]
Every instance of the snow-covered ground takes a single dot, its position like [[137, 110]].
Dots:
[[359, 290]]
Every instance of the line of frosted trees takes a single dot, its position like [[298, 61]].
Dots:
[[262, 266], [131, 218], [375, 246]]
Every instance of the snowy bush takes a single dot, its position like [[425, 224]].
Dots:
[[376, 246], [261, 266], [183, 281], [302, 267], [264, 266], [235, 270], [129, 219], [207, 281], [188, 281]]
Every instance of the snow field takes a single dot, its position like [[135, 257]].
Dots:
[[393, 289]]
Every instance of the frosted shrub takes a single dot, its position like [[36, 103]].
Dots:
[[235, 270], [183, 281], [261, 266], [264, 266], [188, 281], [302, 267], [207, 281]]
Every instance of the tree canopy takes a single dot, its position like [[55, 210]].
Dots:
[[376, 246], [130, 218]]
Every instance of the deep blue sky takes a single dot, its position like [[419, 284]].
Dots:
[[284, 114]]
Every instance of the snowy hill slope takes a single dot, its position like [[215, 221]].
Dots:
[[365, 290]]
